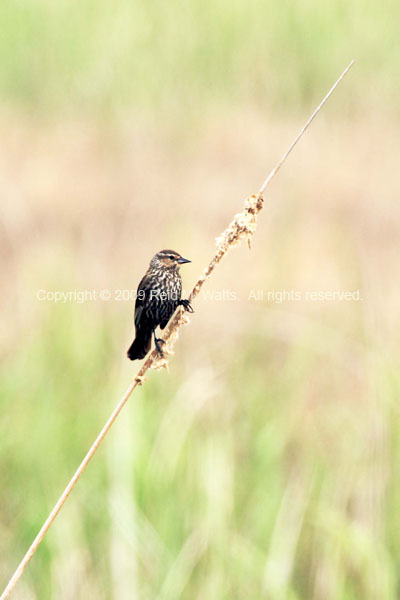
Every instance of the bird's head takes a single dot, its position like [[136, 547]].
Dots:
[[168, 259]]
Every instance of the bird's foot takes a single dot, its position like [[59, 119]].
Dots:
[[157, 342], [186, 305]]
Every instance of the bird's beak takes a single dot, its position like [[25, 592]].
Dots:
[[182, 260]]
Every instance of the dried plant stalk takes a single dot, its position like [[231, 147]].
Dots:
[[242, 227]]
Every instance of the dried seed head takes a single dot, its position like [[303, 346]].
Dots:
[[242, 226]]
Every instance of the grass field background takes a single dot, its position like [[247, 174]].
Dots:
[[265, 463]]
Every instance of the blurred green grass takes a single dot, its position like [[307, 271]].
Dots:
[[222, 482], [266, 463], [100, 57]]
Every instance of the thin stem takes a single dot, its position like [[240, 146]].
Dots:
[[302, 130], [60, 502]]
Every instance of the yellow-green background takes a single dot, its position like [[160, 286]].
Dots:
[[265, 463]]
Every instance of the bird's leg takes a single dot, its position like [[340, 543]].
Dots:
[[157, 342], [186, 305]]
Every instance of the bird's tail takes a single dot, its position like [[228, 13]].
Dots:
[[140, 347]]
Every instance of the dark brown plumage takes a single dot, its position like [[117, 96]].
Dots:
[[157, 297]]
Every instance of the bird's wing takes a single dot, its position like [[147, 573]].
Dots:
[[138, 313], [141, 296]]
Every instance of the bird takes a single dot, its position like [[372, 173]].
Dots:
[[158, 296]]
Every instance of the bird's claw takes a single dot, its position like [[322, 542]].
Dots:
[[186, 305], [157, 342]]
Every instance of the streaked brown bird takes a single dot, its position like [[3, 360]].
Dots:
[[157, 297]]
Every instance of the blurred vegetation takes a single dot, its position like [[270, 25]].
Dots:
[[98, 56], [265, 464]]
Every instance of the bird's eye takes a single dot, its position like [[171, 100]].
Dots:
[[171, 256]]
